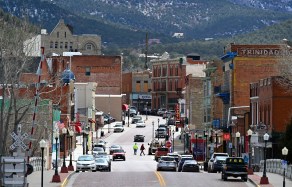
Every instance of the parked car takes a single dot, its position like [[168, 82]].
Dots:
[[234, 167], [140, 123], [217, 164], [161, 111], [160, 151], [139, 138], [85, 163], [210, 162], [160, 132], [132, 111], [190, 166], [119, 154], [108, 118], [182, 161], [135, 119], [106, 156], [170, 122], [118, 127], [114, 147], [97, 150], [166, 115], [102, 164], [100, 143], [162, 125], [175, 155], [153, 145], [166, 163]]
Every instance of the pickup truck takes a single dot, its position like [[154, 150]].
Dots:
[[234, 167]]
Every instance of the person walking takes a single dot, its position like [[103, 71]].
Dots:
[[135, 147], [142, 148]]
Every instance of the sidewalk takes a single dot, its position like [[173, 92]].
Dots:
[[34, 179]]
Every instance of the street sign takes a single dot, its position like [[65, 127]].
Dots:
[[230, 145], [284, 164], [18, 138], [168, 144]]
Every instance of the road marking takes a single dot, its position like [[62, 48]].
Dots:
[[160, 179]]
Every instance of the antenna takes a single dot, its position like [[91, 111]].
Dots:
[[146, 51]]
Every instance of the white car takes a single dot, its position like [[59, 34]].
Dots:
[[140, 123], [97, 150], [85, 163], [119, 127]]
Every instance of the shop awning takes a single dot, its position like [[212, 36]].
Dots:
[[125, 107]]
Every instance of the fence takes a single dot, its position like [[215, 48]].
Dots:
[[36, 162], [275, 166]]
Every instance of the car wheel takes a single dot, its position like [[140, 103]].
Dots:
[[224, 178], [77, 171], [124, 159], [158, 169], [244, 179]]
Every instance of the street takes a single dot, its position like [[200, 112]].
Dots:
[[141, 170]]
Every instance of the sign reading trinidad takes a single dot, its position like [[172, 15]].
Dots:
[[263, 52]]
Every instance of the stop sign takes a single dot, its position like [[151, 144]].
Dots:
[[168, 144]]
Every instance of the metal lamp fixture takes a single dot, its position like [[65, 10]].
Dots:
[[43, 144], [64, 169], [56, 176], [284, 153], [250, 170], [70, 166], [237, 136], [264, 178], [153, 130]]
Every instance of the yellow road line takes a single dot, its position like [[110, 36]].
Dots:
[[160, 179]]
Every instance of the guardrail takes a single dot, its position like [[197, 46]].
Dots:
[[275, 166]]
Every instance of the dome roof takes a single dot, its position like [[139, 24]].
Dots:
[[67, 76]]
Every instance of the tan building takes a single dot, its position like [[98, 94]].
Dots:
[[62, 39]]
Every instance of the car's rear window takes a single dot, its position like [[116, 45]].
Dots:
[[167, 158], [238, 161], [162, 149]]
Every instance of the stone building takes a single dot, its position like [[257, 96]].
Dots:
[[61, 39]]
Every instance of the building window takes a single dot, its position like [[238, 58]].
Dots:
[[61, 45], [176, 84], [57, 34], [171, 71], [65, 34], [66, 45], [176, 70], [56, 45], [89, 47], [170, 85], [71, 46], [51, 45], [164, 71], [87, 71]]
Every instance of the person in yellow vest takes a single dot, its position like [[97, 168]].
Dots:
[[135, 147]]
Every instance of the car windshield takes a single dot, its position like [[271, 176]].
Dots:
[[140, 121], [118, 150], [162, 149], [221, 157], [139, 135], [190, 162], [161, 129], [183, 159], [85, 158], [118, 125], [115, 146]]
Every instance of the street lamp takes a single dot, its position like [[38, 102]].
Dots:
[[196, 135], [173, 141], [128, 115], [153, 130], [70, 166], [237, 137], [250, 170], [64, 169], [43, 144], [158, 122], [108, 124], [216, 135], [56, 176], [284, 153], [146, 110], [264, 178], [206, 148]]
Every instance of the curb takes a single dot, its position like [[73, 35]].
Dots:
[[65, 182], [254, 183]]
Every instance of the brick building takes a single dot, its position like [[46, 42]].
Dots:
[[61, 39]]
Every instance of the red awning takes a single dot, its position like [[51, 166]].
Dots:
[[125, 107], [78, 129]]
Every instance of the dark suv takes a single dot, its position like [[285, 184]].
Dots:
[[210, 163]]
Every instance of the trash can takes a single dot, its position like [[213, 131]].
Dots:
[[102, 133]]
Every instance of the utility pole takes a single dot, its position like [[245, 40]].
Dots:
[[146, 51]]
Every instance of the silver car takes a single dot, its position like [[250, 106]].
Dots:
[[97, 150], [166, 163], [102, 164], [85, 163], [118, 127]]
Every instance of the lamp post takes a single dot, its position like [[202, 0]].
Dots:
[[128, 115], [42, 145], [173, 141], [152, 130], [108, 125], [70, 166], [237, 137], [146, 110], [64, 169], [250, 170], [196, 135], [206, 148], [216, 135], [284, 153], [264, 178], [158, 121], [56, 176], [158, 127]]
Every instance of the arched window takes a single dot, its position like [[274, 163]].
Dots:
[[89, 47], [56, 45]]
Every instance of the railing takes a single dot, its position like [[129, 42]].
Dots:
[[36, 162], [275, 166]]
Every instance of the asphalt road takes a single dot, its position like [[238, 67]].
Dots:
[[141, 170]]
